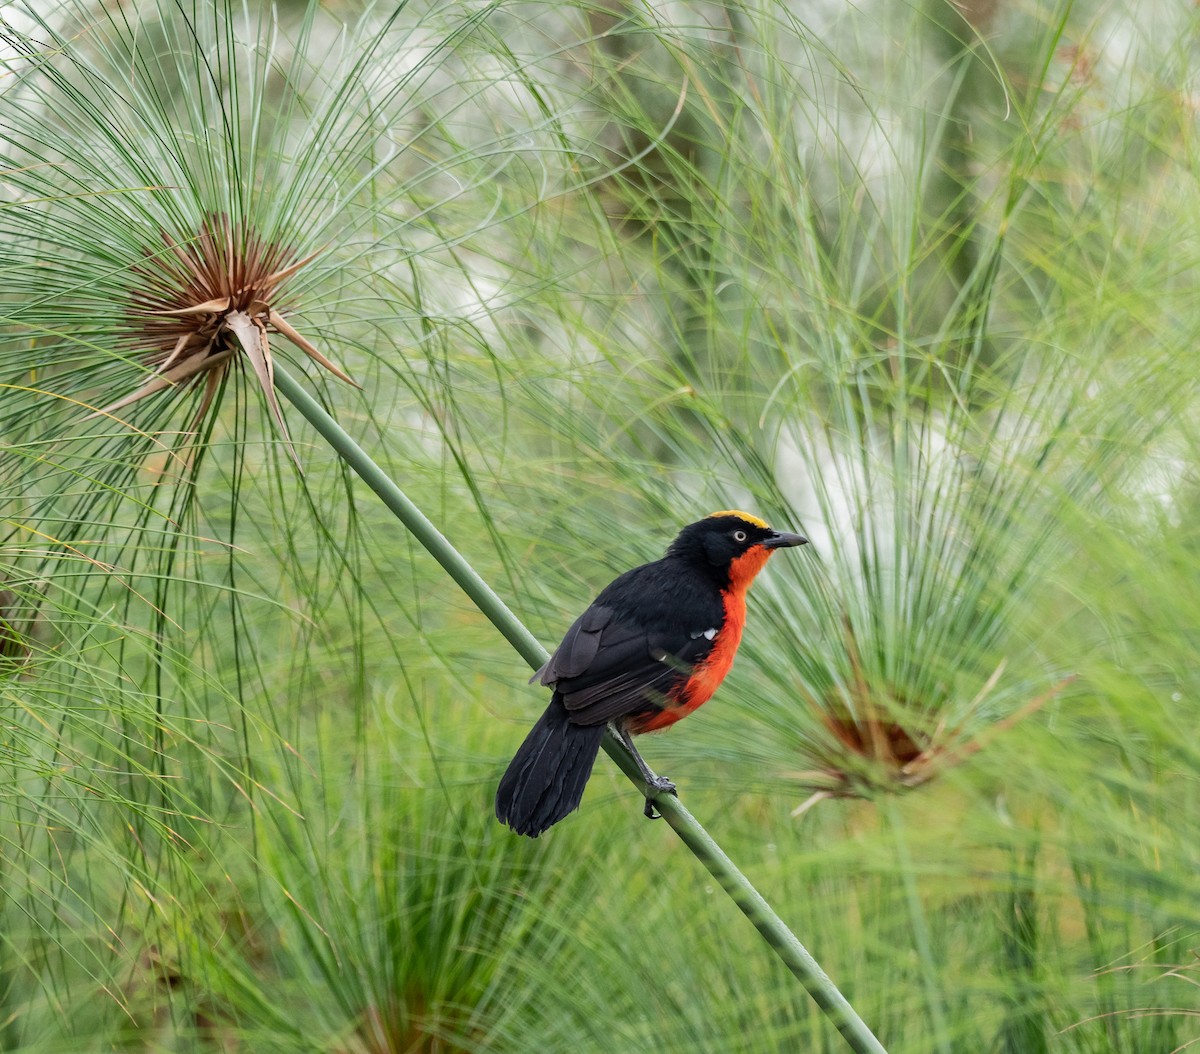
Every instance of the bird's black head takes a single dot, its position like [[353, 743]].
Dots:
[[735, 544]]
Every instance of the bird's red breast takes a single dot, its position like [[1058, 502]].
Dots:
[[707, 675]]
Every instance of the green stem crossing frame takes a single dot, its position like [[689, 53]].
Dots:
[[772, 928]]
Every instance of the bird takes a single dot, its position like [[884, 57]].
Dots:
[[654, 645]]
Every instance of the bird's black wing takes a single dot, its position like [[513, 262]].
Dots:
[[618, 659]]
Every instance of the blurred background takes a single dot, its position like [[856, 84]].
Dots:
[[917, 280]]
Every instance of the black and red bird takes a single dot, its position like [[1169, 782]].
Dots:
[[655, 644]]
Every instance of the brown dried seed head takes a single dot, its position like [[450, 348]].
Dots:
[[200, 304]]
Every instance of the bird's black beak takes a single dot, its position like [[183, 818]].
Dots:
[[782, 540]]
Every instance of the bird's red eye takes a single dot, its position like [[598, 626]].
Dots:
[[739, 536]]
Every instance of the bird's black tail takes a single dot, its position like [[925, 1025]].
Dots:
[[545, 780]]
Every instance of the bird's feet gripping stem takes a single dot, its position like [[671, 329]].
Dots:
[[661, 785], [655, 784]]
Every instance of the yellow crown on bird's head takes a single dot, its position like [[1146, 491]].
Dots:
[[741, 516]]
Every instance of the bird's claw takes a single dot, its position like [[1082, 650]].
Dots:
[[659, 785]]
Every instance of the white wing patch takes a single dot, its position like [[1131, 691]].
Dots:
[[707, 634]]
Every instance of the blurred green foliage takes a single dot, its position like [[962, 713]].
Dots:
[[917, 280]]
